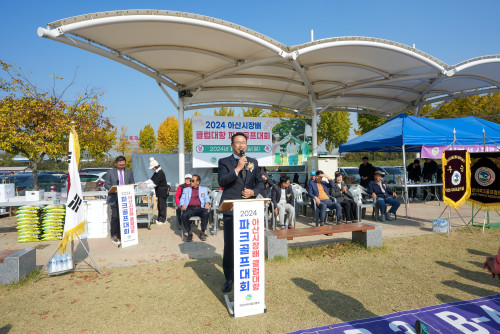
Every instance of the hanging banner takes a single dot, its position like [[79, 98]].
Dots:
[[128, 215], [436, 151], [456, 177], [249, 279], [272, 141], [485, 180]]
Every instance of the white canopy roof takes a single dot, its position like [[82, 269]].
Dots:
[[224, 64]]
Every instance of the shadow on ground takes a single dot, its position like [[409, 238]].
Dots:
[[334, 303]]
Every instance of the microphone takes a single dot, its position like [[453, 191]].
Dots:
[[242, 153]]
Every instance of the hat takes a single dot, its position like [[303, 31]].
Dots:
[[153, 163], [188, 176], [313, 172], [379, 172]]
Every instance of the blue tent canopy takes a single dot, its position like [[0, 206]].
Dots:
[[413, 132]]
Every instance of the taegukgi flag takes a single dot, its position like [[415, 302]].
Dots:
[[74, 224]]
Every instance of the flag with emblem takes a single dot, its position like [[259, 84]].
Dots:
[[485, 180], [456, 177], [74, 224]]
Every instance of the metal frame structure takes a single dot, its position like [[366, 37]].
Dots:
[[214, 63]]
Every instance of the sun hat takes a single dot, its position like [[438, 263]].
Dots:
[[313, 172], [188, 176]]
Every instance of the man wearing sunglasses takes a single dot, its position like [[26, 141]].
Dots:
[[195, 202]]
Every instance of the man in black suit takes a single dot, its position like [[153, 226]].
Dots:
[[116, 176], [240, 177]]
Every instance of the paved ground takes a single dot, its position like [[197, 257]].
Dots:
[[164, 242]]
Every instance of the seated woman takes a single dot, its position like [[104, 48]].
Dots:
[[344, 197], [383, 196]]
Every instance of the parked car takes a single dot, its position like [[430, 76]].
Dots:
[[351, 174], [24, 182], [84, 178], [391, 173], [96, 171]]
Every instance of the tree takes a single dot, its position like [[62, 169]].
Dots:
[[484, 106], [224, 112], [123, 144], [254, 112], [188, 132], [147, 139], [333, 129], [168, 135], [368, 122], [36, 123]]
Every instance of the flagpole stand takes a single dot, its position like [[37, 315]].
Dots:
[[74, 268]]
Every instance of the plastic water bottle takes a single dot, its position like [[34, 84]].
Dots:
[[399, 179], [69, 260], [64, 262], [50, 268]]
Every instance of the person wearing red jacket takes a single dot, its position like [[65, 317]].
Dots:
[[178, 193]]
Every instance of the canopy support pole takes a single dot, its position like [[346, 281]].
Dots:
[[314, 124], [181, 140], [405, 182]]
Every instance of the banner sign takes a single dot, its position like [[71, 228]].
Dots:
[[249, 283], [485, 180], [480, 315], [128, 215], [434, 152], [456, 177], [272, 141]]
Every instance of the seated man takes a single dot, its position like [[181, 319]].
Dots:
[[344, 197], [178, 194], [284, 201], [382, 196], [195, 202], [318, 191]]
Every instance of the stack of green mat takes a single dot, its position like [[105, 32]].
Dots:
[[28, 225], [53, 222]]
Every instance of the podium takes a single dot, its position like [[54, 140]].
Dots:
[[249, 267]]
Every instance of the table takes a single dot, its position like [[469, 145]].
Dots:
[[430, 187], [9, 205]]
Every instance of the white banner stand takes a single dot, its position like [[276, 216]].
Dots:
[[249, 266], [128, 215]]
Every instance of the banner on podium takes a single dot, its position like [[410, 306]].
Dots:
[[249, 278], [128, 215]]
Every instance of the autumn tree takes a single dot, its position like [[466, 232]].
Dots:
[[147, 139], [254, 112], [168, 135], [368, 122], [123, 144], [485, 106], [35, 122], [333, 129], [224, 112]]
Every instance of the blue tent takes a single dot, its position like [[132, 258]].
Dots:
[[413, 132]]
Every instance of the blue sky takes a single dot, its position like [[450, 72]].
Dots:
[[452, 31]]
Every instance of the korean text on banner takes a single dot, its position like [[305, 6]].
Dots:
[[456, 178], [249, 278], [485, 180], [128, 215], [74, 221]]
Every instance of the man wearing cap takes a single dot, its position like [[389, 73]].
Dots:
[[366, 172], [114, 177], [178, 193], [382, 195], [159, 182], [311, 179], [195, 202], [241, 178], [414, 174]]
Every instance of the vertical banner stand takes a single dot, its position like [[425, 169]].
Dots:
[[249, 266]]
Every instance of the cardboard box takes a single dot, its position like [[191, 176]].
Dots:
[[33, 196], [7, 191]]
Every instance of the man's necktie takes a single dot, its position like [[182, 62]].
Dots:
[[121, 177]]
